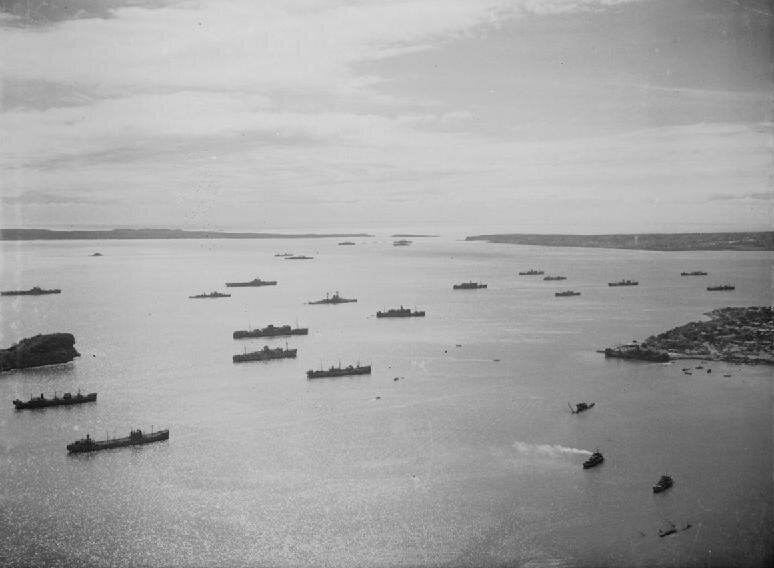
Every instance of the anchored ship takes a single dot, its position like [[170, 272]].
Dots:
[[401, 243], [135, 438], [581, 407], [469, 286], [567, 293], [595, 459], [624, 283], [694, 273], [340, 371], [532, 272], [345, 243], [722, 287], [335, 299], [636, 351], [555, 278], [400, 313], [271, 331], [34, 291], [265, 354], [65, 400], [663, 484], [298, 257], [253, 282], [211, 295], [284, 254]]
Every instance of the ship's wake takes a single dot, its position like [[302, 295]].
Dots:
[[548, 450]]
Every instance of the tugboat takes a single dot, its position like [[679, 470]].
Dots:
[[624, 283], [721, 288], [595, 459], [299, 257], [469, 286], [567, 293], [663, 484], [335, 299], [271, 331], [400, 313], [555, 278], [532, 272], [694, 273], [135, 438], [401, 243], [253, 282], [340, 371], [265, 354], [346, 243], [34, 291], [211, 295], [42, 402], [581, 407]]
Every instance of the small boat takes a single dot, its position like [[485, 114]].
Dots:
[[595, 459], [721, 288], [672, 529], [663, 484], [211, 295], [135, 438], [65, 400], [566, 293], [468, 286], [581, 407], [253, 282], [624, 283], [335, 299], [532, 272], [34, 291]]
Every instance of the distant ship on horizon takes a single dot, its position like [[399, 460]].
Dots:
[[722, 287], [135, 438], [65, 400], [400, 313], [271, 331], [265, 354], [555, 278], [34, 291], [211, 295], [340, 371], [694, 273], [401, 243], [567, 293], [468, 286], [624, 283], [334, 299], [532, 272], [253, 282]]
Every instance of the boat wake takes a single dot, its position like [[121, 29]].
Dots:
[[548, 450]]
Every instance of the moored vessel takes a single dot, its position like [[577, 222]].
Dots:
[[265, 354], [271, 331], [595, 459], [299, 257], [624, 283], [253, 282], [65, 400], [721, 288], [340, 371], [34, 291], [334, 299], [468, 286], [694, 273], [400, 313], [135, 438], [663, 484], [532, 272], [346, 243], [549, 278], [567, 293], [211, 295]]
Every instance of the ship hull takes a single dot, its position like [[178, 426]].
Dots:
[[338, 372], [250, 284], [278, 332], [45, 403], [29, 292], [95, 446], [264, 356], [401, 315]]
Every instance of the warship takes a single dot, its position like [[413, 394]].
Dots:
[[34, 291], [532, 272], [271, 331], [624, 283], [253, 282], [636, 351], [468, 286], [721, 288], [555, 278], [212, 295], [135, 438], [65, 400], [567, 293], [694, 273], [400, 313], [335, 299], [265, 354], [663, 484], [340, 371], [581, 407], [595, 459]]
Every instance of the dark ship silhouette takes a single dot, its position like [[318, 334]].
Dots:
[[663, 484], [595, 459], [722, 288], [34, 291], [265, 354], [211, 295], [532, 272], [624, 283], [555, 278], [65, 400], [340, 371], [135, 438], [400, 313], [271, 331], [253, 282], [581, 407], [335, 299], [567, 293], [468, 286], [694, 273], [298, 257]]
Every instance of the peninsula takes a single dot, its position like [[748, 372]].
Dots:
[[39, 350], [734, 335], [125, 234], [645, 241]]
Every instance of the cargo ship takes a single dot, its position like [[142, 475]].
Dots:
[[253, 282], [340, 371], [636, 351], [265, 354], [722, 287], [135, 438], [555, 278], [663, 484], [65, 400], [271, 331], [335, 299], [469, 286], [624, 283], [212, 295], [694, 273], [400, 313], [595, 459], [567, 293], [532, 272], [34, 291]]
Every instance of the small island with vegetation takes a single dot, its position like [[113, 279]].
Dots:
[[734, 335], [48, 349]]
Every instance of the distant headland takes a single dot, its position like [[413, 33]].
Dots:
[[51, 235], [643, 241]]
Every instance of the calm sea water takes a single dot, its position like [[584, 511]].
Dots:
[[471, 459]]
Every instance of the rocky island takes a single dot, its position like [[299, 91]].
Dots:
[[734, 335], [48, 349]]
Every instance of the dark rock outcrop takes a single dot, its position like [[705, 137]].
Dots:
[[48, 349]]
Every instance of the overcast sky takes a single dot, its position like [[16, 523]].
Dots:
[[463, 115]]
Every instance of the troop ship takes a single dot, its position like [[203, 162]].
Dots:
[[401, 313], [555, 278], [271, 331], [469, 286], [567, 293], [335, 299], [265, 354], [694, 273], [532, 272], [135, 438], [595, 459], [340, 371], [624, 283], [34, 291], [211, 295], [253, 282], [43, 402], [663, 484], [636, 351], [722, 287]]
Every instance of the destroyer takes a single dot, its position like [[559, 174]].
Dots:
[[401, 313], [34, 291], [555, 278], [532, 272], [135, 438], [265, 354], [335, 299], [694, 273], [66, 399], [663, 484], [271, 331], [253, 282], [624, 283], [340, 371], [581, 407], [469, 286], [212, 295], [567, 293], [721, 288], [595, 459]]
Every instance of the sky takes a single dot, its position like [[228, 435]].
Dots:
[[463, 116]]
